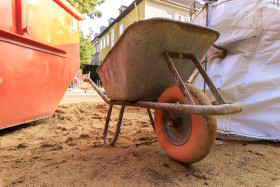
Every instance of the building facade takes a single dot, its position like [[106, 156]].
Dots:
[[139, 10]]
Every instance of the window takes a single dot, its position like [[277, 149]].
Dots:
[[108, 41], [170, 15], [182, 18], [104, 42], [96, 49], [112, 37], [188, 18], [100, 45], [120, 29]]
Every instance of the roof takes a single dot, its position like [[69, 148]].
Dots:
[[122, 15], [183, 3], [122, 7]]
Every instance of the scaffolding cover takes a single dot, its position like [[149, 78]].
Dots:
[[249, 73]]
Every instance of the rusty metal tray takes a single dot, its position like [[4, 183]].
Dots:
[[135, 69]]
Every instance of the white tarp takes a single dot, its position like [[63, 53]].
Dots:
[[250, 72]]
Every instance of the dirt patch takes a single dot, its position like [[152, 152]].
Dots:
[[67, 150]]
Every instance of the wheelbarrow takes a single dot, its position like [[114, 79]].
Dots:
[[149, 67]]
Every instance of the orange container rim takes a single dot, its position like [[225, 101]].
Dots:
[[70, 9]]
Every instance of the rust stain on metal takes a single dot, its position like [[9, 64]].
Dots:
[[105, 77], [178, 79]]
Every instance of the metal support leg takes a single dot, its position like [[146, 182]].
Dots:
[[178, 79], [117, 131], [204, 75], [151, 118]]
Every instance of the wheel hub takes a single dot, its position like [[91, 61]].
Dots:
[[177, 127]]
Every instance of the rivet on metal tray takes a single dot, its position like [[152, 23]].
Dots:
[[181, 55], [170, 124], [215, 103]]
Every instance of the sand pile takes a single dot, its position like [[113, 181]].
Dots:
[[67, 150]]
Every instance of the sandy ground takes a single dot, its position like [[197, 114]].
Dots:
[[80, 97], [67, 150]]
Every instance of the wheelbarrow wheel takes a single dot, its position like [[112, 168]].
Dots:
[[186, 138]]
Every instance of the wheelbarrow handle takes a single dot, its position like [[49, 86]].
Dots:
[[223, 109]]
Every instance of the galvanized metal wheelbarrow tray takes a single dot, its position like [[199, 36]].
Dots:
[[150, 56]]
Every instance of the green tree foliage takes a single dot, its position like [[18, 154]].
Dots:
[[87, 7], [86, 48]]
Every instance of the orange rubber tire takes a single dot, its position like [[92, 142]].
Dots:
[[203, 128]]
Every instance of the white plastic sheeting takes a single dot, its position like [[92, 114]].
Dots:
[[250, 72]]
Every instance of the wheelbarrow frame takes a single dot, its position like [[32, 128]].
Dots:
[[221, 108]]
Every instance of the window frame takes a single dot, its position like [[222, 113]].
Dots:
[[170, 13], [120, 29], [108, 40], [112, 37], [181, 16]]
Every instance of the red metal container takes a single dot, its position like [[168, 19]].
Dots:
[[39, 49]]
